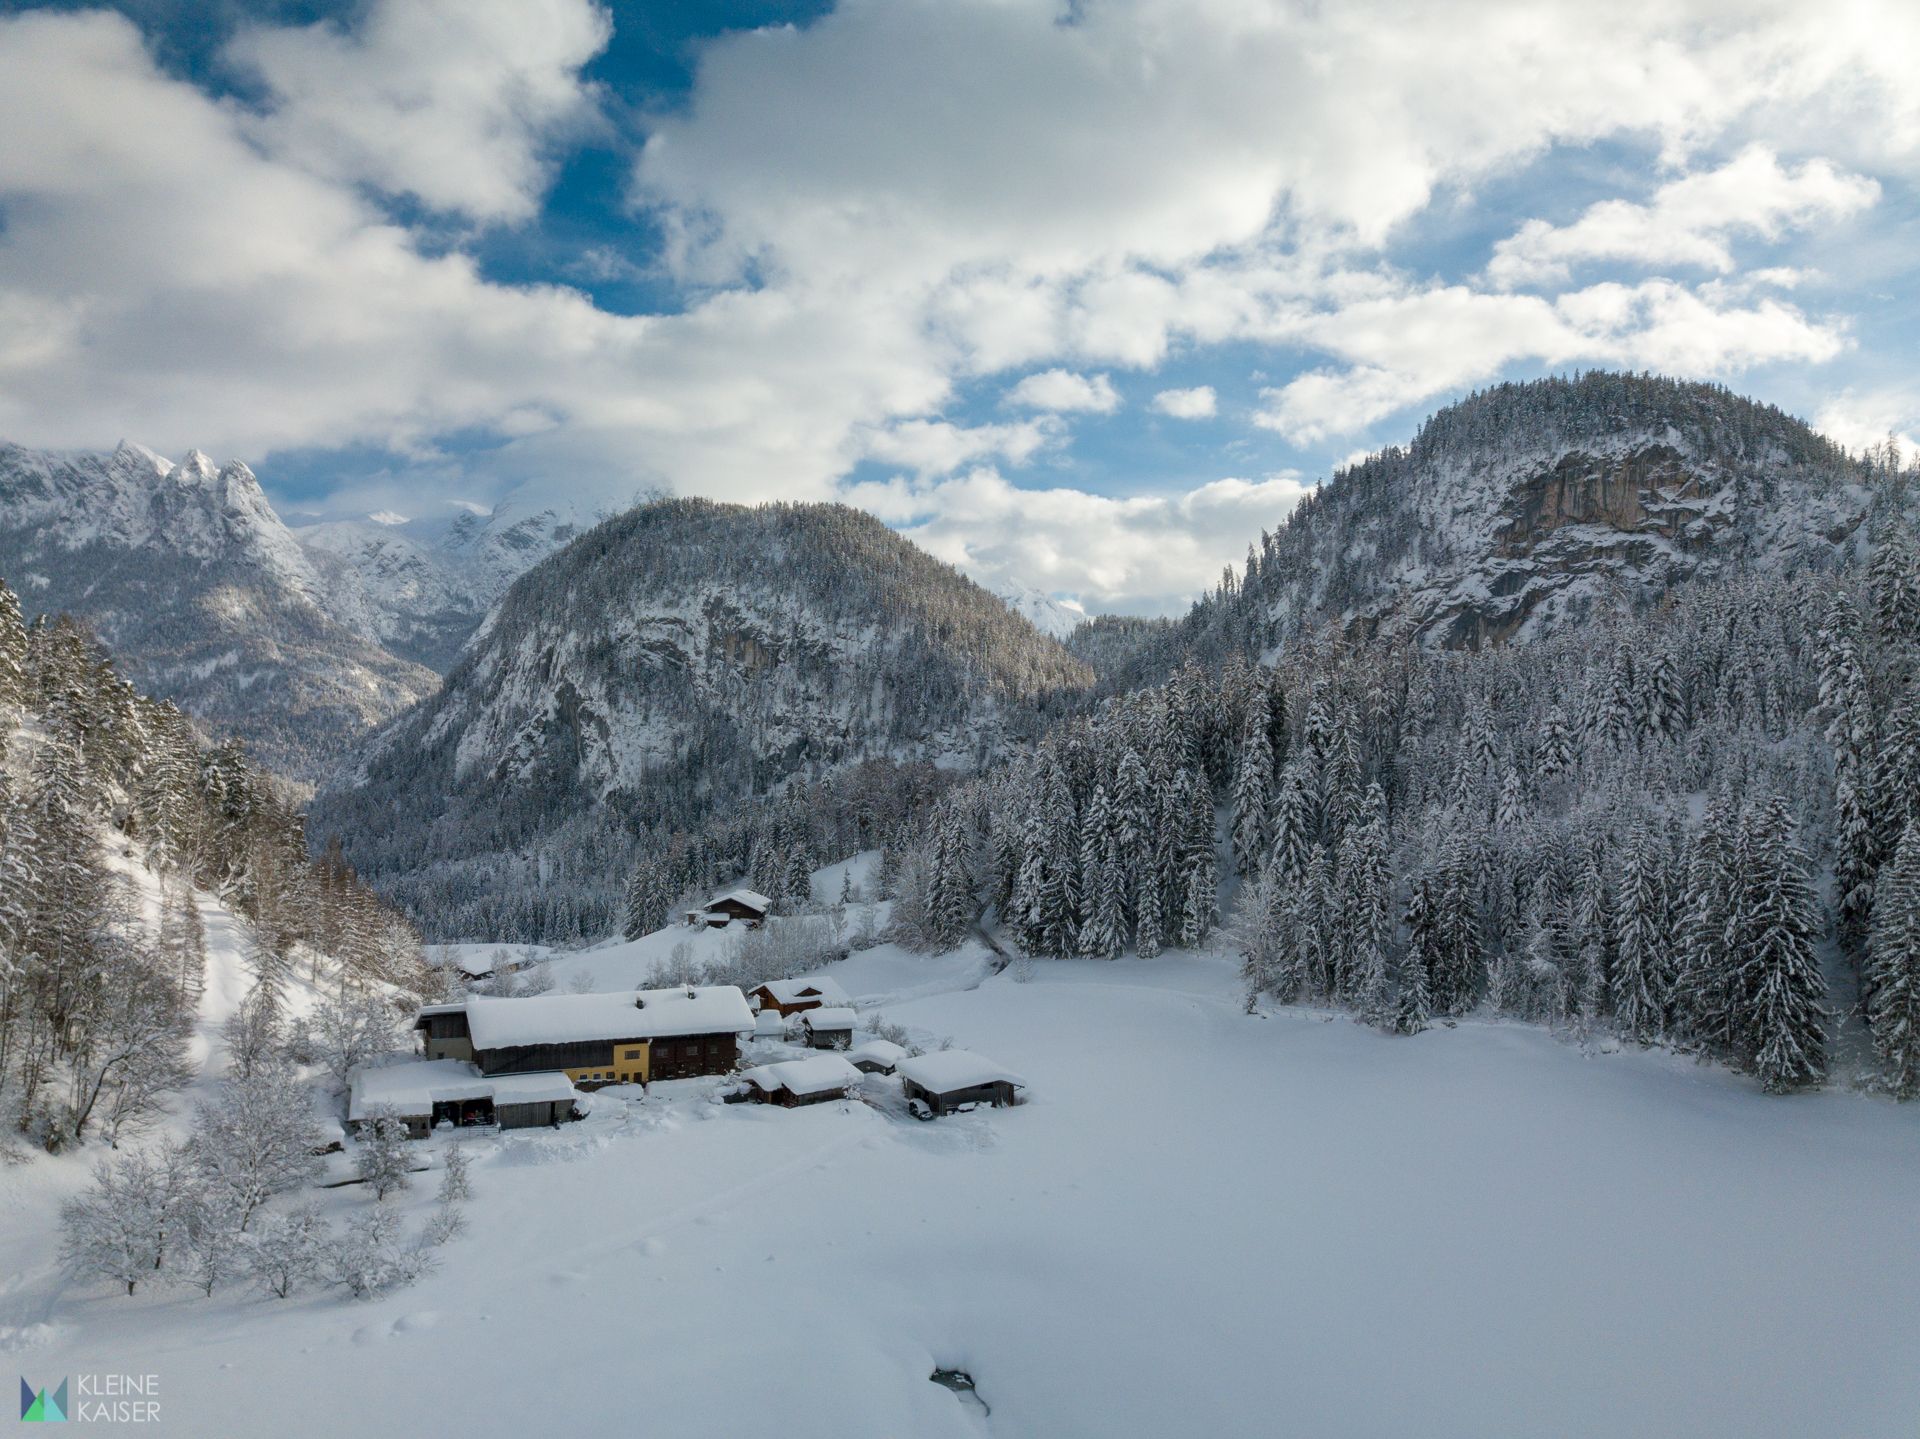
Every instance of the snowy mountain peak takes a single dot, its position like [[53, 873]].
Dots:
[[1051, 616]]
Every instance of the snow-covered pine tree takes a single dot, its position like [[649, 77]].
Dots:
[[1367, 909], [1252, 790], [1640, 982], [1894, 968], [1779, 971]]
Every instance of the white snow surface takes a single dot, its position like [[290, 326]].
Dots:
[[566, 1018], [1205, 1222]]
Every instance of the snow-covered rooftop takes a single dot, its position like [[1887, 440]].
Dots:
[[833, 1017], [747, 897], [949, 1069], [804, 1076], [571, 1018], [793, 991], [883, 1052], [411, 1090]]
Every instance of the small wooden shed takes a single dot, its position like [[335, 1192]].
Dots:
[[828, 1028], [876, 1056], [955, 1078], [795, 1082], [736, 906]]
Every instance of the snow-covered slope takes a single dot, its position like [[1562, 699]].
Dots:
[[679, 658], [1278, 1225]]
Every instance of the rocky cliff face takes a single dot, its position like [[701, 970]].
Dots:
[[1527, 510], [297, 641], [189, 577]]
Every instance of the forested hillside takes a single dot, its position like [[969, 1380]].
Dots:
[[98, 986], [1524, 511], [1682, 816], [667, 667]]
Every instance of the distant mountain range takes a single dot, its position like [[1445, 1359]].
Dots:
[[298, 640]]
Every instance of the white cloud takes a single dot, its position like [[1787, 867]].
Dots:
[[1409, 347], [869, 209], [1689, 221], [1198, 403], [1063, 390], [1862, 420], [454, 102], [1147, 552], [937, 447]]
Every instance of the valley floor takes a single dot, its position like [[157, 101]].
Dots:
[[1204, 1222]]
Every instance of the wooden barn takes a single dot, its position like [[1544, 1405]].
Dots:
[[828, 1028], [428, 1093], [736, 906], [795, 1082], [597, 1039], [876, 1056], [796, 996], [953, 1079]]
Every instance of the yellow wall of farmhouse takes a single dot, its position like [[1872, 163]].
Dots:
[[632, 1064]]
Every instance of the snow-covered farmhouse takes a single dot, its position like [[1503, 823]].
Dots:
[[795, 1082], [795, 996], [828, 1028], [736, 906], [594, 1039], [452, 1091], [951, 1079]]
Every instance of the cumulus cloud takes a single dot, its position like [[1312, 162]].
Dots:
[[1198, 403], [1862, 420], [868, 210], [454, 102], [1063, 390], [1409, 347], [1151, 553], [1689, 221], [937, 447]]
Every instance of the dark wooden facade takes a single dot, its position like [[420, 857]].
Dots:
[[689, 1055], [998, 1093]]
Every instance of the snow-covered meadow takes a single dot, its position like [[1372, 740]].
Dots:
[[1203, 1221]]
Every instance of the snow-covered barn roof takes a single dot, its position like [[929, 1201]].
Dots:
[[792, 991], [948, 1070], [804, 1076], [883, 1052], [571, 1018], [747, 897], [411, 1090], [829, 1018]]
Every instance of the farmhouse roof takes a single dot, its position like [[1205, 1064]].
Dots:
[[572, 1018], [804, 1076]]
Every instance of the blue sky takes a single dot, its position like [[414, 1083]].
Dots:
[[1080, 297]]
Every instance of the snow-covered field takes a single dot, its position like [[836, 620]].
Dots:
[[1203, 1222]]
